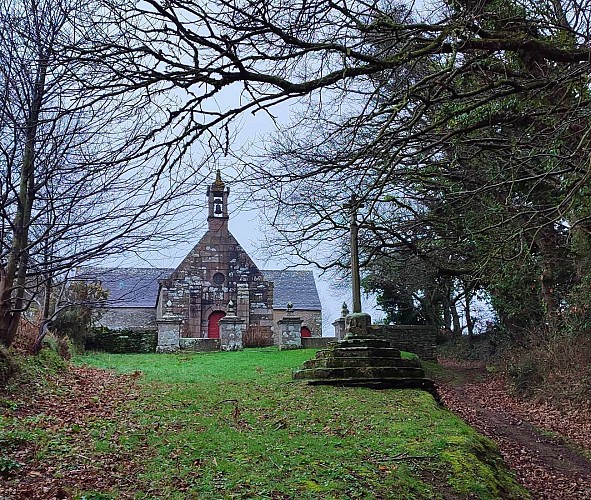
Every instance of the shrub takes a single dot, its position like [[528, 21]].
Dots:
[[524, 371], [74, 323], [26, 335], [554, 365], [58, 344], [489, 346], [122, 341]]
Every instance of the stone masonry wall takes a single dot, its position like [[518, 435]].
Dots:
[[128, 318], [199, 345], [209, 277], [311, 319], [317, 342], [412, 338]]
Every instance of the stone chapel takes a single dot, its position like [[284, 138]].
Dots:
[[215, 275]]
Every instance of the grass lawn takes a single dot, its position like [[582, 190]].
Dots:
[[234, 425]]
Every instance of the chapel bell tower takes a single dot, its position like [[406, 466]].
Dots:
[[217, 195]]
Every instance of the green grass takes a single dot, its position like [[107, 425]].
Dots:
[[234, 425], [253, 365]]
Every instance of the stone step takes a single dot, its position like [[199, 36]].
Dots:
[[381, 383], [359, 372], [345, 352], [358, 361], [363, 342]]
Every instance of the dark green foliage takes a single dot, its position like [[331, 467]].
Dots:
[[516, 295], [75, 321], [75, 324], [399, 306], [10, 440], [8, 466], [407, 289], [122, 341], [579, 298]]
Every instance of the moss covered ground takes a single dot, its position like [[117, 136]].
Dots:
[[234, 425]]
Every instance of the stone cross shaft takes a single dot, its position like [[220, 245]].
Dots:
[[353, 205]]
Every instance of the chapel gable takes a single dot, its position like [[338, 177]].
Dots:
[[216, 272]]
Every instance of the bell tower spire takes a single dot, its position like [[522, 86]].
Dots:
[[217, 196]]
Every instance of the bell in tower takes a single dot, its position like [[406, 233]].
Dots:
[[217, 195]]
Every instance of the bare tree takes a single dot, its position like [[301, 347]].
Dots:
[[484, 105], [384, 87], [77, 182]]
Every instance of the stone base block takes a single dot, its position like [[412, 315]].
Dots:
[[288, 347], [424, 384], [165, 349], [366, 361], [199, 344], [168, 335], [357, 325], [317, 342], [232, 347], [231, 331], [290, 336]]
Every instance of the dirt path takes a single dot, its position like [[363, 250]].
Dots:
[[528, 434]]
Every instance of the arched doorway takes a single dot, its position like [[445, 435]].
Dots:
[[305, 331], [213, 325]]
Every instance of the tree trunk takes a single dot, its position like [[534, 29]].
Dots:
[[467, 309], [550, 246], [46, 312], [468, 316], [14, 278], [446, 303], [457, 327]]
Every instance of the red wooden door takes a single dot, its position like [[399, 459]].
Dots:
[[305, 331], [213, 326]]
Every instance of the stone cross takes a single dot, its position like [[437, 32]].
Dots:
[[354, 205]]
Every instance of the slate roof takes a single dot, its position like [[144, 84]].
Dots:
[[128, 287], [138, 287], [297, 287]]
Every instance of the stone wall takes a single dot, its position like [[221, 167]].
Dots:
[[317, 342], [132, 318], [199, 345], [412, 338]]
